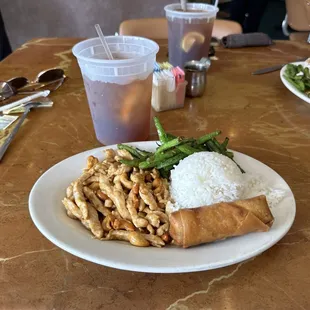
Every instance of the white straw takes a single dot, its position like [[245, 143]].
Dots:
[[184, 5], [14, 104], [216, 3], [103, 42]]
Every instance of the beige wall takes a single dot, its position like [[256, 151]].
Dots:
[[27, 19]]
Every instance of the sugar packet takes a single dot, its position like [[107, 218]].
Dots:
[[6, 121]]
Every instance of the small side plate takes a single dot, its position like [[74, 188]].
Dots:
[[290, 87]]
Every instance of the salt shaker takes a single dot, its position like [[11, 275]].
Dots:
[[196, 76]]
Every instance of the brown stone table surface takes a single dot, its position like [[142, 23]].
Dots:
[[262, 118]]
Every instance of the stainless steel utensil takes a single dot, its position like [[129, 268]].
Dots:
[[11, 136], [24, 100], [273, 68], [196, 77], [45, 102]]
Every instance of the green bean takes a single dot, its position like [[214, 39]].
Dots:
[[130, 163], [229, 154], [300, 68], [153, 161], [307, 73], [242, 171], [172, 143], [202, 148], [165, 155], [164, 173], [132, 150], [208, 137], [144, 153], [187, 149], [171, 161], [225, 143], [298, 85], [160, 130], [147, 164], [170, 136], [291, 70], [307, 85], [213, 147], [219, 146], [168, 168]]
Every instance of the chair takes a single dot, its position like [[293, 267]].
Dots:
[[298, 18], [157, 28]]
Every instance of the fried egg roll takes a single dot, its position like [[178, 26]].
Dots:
[[190, 227]]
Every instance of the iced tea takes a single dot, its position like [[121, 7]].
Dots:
[[119, 91], [120, 113], [189, 33]]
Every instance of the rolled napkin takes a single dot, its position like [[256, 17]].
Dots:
[[189, 227], [246, 39]]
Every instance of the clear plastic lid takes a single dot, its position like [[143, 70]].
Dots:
[[194, 11], [134, 59]]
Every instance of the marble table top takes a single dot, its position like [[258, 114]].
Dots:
[[262, 118]]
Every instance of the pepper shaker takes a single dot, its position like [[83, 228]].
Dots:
[[196, 76]]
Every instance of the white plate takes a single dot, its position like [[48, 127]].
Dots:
[[49, 216], [290, 87]]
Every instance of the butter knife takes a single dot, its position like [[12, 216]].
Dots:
[[273, 68]]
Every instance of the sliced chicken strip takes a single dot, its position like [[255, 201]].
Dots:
[[115, 195], [124, 180], [124, 154], [94, 186], [153, 219], [91, 162], [69, 192], [107, 222], [137, 221], [69, 214], [109, 155], [148, 197], [150, 229], [154, 240], [97, 203], [94, 178], [72, 208], [162, 229], [80, 198], [93, 222], [108, 203]]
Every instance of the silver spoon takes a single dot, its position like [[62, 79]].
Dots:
[[11, 136]]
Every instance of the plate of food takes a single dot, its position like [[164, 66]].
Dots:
[[296, 77], [168, 206]]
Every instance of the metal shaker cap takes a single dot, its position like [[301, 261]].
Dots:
[[198, 65]]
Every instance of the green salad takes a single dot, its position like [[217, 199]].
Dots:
[[299, 77]]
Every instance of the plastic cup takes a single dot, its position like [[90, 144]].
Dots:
[[190, 32], [119, 91]]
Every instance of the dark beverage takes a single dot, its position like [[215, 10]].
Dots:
[[119, 91], [120, 113], [189, 32]]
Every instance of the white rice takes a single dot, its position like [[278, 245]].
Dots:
[[256, 185], [205, 178]]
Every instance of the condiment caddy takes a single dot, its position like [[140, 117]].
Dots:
[[169, 87]]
